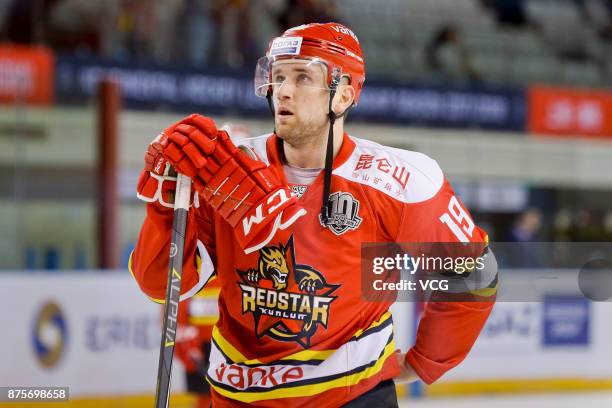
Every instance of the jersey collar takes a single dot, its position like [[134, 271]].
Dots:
[[273, 146]]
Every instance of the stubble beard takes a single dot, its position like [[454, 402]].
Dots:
[[302, 133]]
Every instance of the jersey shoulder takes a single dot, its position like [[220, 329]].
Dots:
[[407, 176], [257, 143]]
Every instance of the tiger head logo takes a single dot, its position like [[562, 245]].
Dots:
[[272, 265], [288, 300]]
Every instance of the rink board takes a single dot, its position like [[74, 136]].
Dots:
[[98, 334]]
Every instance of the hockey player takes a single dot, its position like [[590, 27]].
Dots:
[[280, 226]]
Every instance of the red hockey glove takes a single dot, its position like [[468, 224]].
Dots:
[[241, 188], [155, 182]]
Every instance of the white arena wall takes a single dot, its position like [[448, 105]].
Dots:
[[67, 136]]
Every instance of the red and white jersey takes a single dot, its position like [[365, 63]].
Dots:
[[294, 329]]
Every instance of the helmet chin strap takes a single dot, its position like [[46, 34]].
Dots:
[[329, 155]]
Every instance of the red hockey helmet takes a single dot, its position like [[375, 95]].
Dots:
[[331, 44]]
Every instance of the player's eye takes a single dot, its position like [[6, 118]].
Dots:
[[278, 78], [304, 79]]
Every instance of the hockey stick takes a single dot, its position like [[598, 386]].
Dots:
[[173, 290]]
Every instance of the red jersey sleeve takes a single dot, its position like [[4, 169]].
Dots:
[[447, 329], [150, 258]]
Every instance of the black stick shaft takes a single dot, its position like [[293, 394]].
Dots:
[[173, 291]]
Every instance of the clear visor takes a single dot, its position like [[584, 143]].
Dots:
[[272, 72]]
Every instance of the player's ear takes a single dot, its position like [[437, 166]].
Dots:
[[345, 95]]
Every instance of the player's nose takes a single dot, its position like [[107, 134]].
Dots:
[[285, 90]]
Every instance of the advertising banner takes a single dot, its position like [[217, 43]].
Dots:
[[501, 109], [26, 75], [569, 112], [213, 91], [566, 321], [94, 333]]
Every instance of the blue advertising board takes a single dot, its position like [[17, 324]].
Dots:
[[442, 107], [218, 91], [566, 321]]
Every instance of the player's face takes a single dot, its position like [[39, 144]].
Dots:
[[301, 99]]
